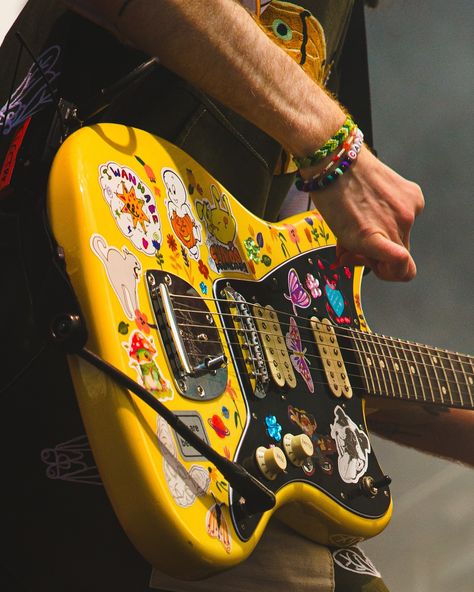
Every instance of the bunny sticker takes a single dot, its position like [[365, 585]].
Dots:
[[221, 231], [182, 220]]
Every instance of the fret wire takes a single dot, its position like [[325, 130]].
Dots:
[[453, 373], [415, 373], [368, 362], [382, 364], [366, 367], [395, 367], [373, 357], [411, 382], [427, 373], [445, 388], [466, 379]]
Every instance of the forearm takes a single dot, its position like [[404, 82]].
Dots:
[[447, 433], [217, 46]]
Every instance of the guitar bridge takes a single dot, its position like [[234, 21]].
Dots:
[[189, 336]]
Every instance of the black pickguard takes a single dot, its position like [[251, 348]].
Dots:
[[297, 409]]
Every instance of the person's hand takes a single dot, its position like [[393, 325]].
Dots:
[[371, 210]]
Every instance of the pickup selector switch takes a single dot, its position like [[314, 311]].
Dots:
[[298, 448], [270, 461]]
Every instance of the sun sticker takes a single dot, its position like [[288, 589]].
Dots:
[[132, 205]]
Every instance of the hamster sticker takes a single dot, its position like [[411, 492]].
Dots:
[[132, 205], [183, 222], [123, 270]]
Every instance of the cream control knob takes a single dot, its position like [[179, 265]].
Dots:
[[297, 448], [271, 461]]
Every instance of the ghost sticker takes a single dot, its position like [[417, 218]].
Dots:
[[183, 222], [132, 205], [143, 359], [353, 447], [123, 270]]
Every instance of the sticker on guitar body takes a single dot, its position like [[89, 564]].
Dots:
[[142, 356], [184, 224], [353, 447], [184, 485], [221, 229], [132, 206]]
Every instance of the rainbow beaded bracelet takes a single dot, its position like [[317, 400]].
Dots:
[[330, 146], [323, 179]]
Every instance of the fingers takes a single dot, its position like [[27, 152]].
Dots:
[[388, 260]]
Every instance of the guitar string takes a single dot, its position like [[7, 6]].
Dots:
[[441, 382], [356, 335], [394, 378], [393, 342], [395, 375]]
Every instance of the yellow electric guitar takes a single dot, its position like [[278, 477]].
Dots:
[[248, 333]]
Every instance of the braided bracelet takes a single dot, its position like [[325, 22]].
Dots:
[[322, 180], [330, 146], [299, 183]]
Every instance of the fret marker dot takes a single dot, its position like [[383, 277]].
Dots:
[[435, 360], [369, 361], [412, 370], [397, 367], [382, 364], [470, 381], [443, 390]]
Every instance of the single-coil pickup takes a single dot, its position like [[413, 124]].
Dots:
[[333, 362], [274, 346], [249, 340]]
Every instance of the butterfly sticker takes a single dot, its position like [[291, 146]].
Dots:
[[298, 295], [216, 526], [313, 285], [298, 359]]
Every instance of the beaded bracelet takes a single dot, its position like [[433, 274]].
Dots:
[[322, 180], [330, 146], [299, 182]]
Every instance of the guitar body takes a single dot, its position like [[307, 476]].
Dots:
[[209, 308]]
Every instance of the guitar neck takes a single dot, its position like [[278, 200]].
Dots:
[[399, 369]]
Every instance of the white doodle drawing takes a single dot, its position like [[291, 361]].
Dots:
[[185, 486], [182, 220], [353, 447], [123, 270], [71, 461], [33, 93], [355, 560], [133, 206], [344, 540]]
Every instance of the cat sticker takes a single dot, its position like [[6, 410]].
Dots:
[[123, 270]]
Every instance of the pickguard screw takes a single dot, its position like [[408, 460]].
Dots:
[[254, 415], [151, 279], [200, 391], [182, 385], [167, 280], [343, 495]]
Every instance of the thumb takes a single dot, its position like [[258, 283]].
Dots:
[[391, 261]]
